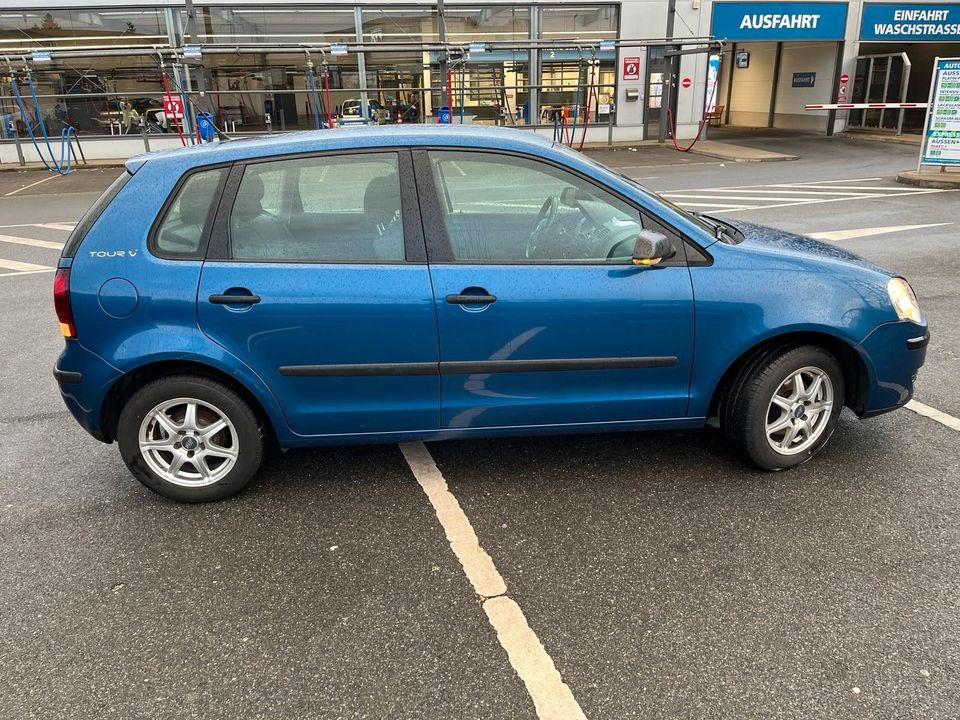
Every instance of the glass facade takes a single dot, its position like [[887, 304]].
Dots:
[[254, 77]]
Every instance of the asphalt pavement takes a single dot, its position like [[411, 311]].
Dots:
[[663, 578]]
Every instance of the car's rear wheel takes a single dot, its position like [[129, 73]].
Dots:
[[783, 408], [190, 438]]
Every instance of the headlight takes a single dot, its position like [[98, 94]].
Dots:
[[904, 301]]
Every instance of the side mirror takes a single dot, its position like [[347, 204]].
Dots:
[[651, 248]]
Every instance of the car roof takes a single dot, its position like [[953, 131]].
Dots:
[[362, 137]]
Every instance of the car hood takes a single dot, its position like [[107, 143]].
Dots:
[[799, 246]]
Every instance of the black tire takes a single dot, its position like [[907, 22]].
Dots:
[[248, 436], [746, 407]]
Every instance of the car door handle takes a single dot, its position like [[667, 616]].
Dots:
[[471, 299], [246, 299]]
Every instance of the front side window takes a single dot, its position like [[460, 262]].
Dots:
[[501, 208], [341, 208], [182, 230]]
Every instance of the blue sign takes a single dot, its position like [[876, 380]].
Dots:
[[804, 80], [779, 20], [913, 23]]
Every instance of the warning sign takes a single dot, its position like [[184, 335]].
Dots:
[[631, 68], [172, 106]]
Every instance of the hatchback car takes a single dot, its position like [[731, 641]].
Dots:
[[377, 285]]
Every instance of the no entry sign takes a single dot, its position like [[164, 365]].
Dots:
[[844, 79], [686, 82], [631, 68]]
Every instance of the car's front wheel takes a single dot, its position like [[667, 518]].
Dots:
[[784, 407], [190, 438]]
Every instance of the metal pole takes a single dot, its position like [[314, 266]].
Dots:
[[143, 132], [16, 141], [904, 85], [666, 99], [444, 56], [534, 71], [361, 66], [610, 125]]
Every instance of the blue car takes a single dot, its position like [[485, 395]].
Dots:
[[384, 285]]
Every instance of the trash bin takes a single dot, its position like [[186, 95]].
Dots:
[[444, 116], [205, 127]]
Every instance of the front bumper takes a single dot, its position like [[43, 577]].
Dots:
[[84, 379], [893, 353]]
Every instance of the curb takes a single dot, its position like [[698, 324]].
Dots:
[[774, 157], [939, 181]]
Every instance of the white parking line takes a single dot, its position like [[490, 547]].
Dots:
[[48, 244], [27, 272], [552, 698], [25, 187], [21, 266], [936, 415], [854, 233]]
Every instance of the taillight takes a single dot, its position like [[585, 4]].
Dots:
[[61, 301]]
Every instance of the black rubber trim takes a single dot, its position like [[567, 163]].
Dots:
[[67, 376], [234, 299], [918, 343], [359, 370], [471, 299], [510, 366], [469, 367]]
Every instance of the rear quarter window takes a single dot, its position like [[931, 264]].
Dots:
[[186, 219], [91, 216]]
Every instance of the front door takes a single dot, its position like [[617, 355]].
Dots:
[[316, 278], [543, 318]]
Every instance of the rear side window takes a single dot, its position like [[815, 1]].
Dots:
[[339, 208], [90, 217], [183, 230]]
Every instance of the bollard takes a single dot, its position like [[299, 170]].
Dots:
[[143, 132], [610, 125]]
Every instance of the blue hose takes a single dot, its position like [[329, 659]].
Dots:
[[315, 106], [65, 134]]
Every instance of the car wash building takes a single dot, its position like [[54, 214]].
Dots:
[[898, 43], [778, 57]]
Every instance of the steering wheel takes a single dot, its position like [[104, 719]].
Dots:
[[545, 220]]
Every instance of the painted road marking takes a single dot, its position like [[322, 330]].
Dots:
[[21, 266], [836, 199], [50, 245], [552, 697], [778, 195], [26, 187], [928, 412], [27, 272], [65, 226], [867, 232]]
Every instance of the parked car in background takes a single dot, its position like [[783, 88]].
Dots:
[[149, 108], [431, 282], [376, 112]]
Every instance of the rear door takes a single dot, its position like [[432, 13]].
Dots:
[[543, 318], [316, 278]]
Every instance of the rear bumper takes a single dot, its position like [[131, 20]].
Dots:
[[894, 353], [84, 379]]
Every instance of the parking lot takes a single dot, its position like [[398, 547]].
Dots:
[[643, 575]]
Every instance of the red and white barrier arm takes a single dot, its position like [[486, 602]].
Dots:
[[865, 106]]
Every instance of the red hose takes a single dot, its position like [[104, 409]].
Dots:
[[326, 92], [176, 123], [703, 123]]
